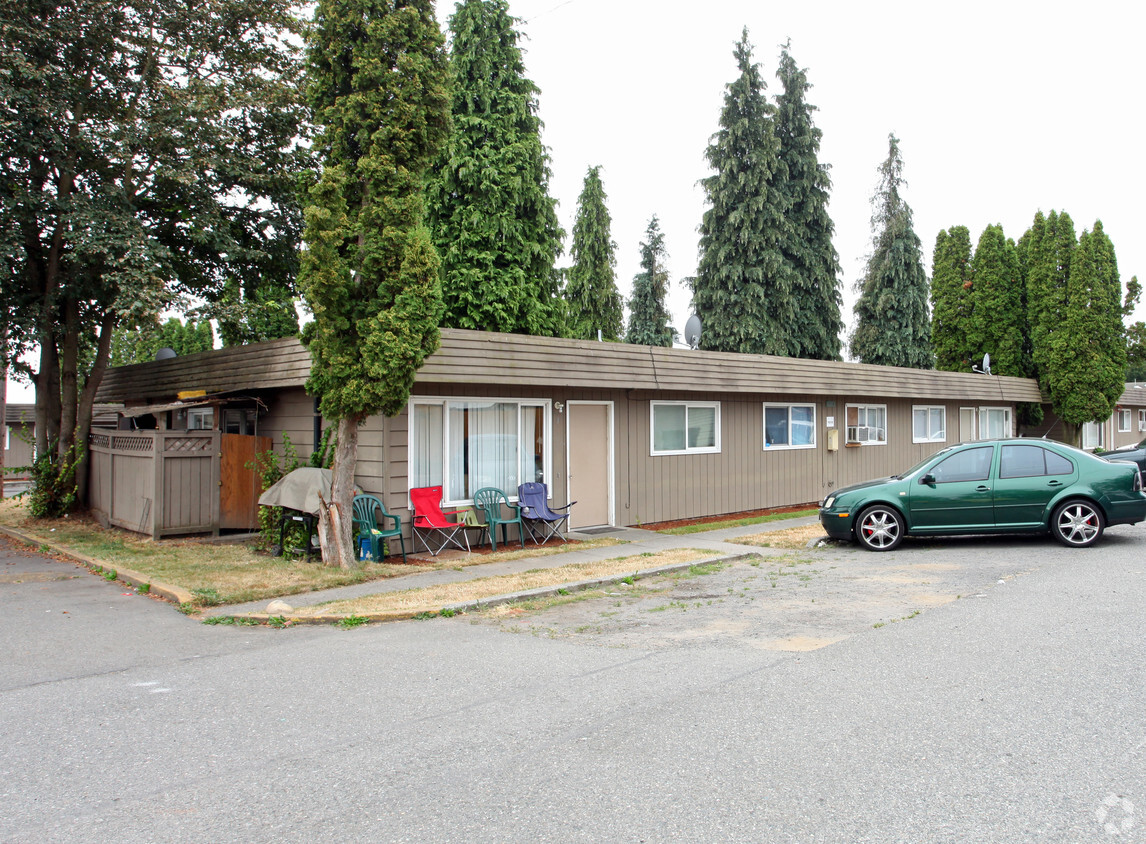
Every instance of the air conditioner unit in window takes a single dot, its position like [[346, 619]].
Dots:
[[862, 434]]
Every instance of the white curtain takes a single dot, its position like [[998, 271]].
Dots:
[[482, 447], [426, 456]]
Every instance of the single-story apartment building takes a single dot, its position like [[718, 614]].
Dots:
[[633, 434]]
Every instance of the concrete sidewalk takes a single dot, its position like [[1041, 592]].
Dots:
[[635, 541]]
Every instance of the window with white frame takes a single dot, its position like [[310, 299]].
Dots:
[[685, 427], [1093, 435], [994, 422], [463, 445], [789, 426], [866, 424], [1141, 421], [1123, 420], [928, 424]]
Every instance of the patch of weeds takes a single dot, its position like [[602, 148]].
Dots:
[[110, 575], [277, 621], [562, 591], [879, 624], [219, 619], [143, 588], [207, 597], [661, 608], [630, 580], [44, 549], [424, 616], [187, 608], [702, 569], [447, 612], [351, 621]]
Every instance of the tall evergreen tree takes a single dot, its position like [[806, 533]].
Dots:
[[807, 236], [743, 290], [494, 222], [1087, 354], [648, 317], [998, 324], [591, 295], [951, 299], [1046, 252], [893, 327], [370, 273]]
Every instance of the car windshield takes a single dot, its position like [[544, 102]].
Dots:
[[920, 464]]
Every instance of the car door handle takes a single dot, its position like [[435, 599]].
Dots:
[[981, 488], [1054, 483]]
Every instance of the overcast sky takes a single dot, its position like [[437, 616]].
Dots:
[[1001, 108]]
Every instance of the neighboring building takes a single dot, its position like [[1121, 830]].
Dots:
[[1126, 426], [19, 441], [633, 434]]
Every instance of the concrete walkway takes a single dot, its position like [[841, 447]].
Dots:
[[635, 541]]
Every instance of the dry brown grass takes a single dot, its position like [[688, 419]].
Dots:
[[432, 599], [797, 537], [228, 573]]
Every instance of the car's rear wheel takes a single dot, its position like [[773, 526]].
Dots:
[[879, 528], [1077, 524]]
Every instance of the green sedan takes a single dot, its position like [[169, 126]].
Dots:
[[991, 486]]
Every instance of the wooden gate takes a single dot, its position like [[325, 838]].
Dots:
[[239, 485]]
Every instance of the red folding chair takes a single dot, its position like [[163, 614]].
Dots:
[[430, 521]]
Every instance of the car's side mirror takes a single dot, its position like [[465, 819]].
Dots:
[[927, 479]]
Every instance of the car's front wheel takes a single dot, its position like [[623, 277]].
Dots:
[[1077, 524], [879, 528]]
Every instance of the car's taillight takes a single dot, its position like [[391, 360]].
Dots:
[[1138, 482]]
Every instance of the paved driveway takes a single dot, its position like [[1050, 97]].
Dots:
[[1016, 713]]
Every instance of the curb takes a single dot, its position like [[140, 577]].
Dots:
[[171, 593], [496, 600]]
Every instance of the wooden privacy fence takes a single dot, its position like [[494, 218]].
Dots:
[[157, 482]]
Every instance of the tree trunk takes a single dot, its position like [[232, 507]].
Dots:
[[335, 517], [87, 402]]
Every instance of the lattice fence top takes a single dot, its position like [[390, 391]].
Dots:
[[189, 444], [101, 440], [120, 442]]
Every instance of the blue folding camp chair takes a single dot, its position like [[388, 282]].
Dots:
[[540, 520]]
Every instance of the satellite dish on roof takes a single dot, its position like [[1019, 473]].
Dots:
[[986, 368], [165, 354], [692, 332]]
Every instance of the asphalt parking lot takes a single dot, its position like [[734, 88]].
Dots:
[[1007, 711]]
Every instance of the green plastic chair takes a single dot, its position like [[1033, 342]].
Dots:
[[369, 533], [490, 501]]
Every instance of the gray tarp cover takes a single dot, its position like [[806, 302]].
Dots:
[[299, 490]]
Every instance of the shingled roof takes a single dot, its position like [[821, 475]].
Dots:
[[518, 360]]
